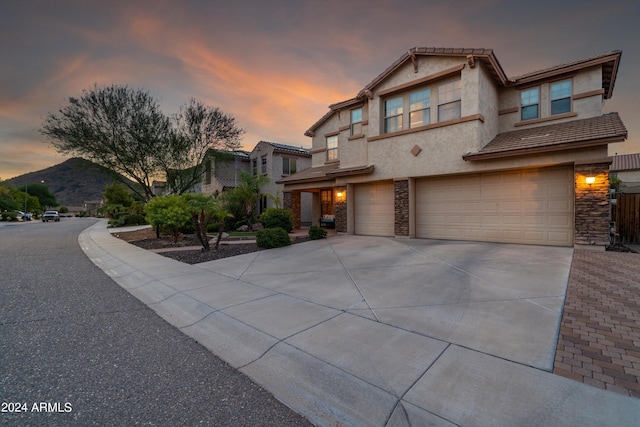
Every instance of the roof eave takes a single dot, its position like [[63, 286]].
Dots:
[[544, 149]]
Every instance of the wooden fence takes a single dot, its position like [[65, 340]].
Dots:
[[627, 217]]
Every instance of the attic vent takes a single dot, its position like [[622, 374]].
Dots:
[[535, 136]]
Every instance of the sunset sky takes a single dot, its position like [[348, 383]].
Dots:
[[276, 65]]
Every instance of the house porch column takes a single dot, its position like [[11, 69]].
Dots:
[[592, 203], [401, 207], [291, 200], [340, 209]]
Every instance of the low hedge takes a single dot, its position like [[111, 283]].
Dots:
[[269, 238]]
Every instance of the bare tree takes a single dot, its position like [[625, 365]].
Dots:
[[124, 130], [198, 129]]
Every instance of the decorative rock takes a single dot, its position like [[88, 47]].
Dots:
[[243, 228], [257, 226]]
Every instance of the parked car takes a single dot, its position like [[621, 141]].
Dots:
[[50, 216], [26, 216]]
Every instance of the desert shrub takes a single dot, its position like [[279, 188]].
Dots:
[[170, 213], [269, 238], [277, 218], [64, 209], [134, 219], [316, 232], [9, 216]]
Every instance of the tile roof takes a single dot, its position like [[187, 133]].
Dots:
[[561, 136], [284, 148], [625, 162], [318, 173], [290, 148], [610, 62]]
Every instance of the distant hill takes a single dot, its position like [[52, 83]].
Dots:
[[73, 182]]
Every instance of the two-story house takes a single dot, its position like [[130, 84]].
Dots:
[[444, 145], [221, 170], [277, 161]]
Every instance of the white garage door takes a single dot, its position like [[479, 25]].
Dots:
[[374, 209], [533, 206]]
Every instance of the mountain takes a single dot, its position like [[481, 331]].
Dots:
[[73, 181]]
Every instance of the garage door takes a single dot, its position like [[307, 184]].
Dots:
[[524, 206], [374, 209]]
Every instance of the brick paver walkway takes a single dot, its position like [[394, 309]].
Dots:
[[599, 341]]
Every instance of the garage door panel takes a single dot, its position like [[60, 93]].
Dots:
[[374, 209], [526, 206]]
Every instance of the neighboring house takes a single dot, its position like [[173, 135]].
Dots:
[[626, 167], [444, 145], [90, 207], [277, 161], [222, 171], [159, 188]]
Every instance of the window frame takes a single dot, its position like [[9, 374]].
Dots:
[[564, 97], [357, 123], [398, 116], [455, 101], [254, 167], [289, 170], [525, 106], [426, 111], [332, 148], [263, 165]]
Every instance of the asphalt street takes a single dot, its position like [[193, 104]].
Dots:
[[78, 350]]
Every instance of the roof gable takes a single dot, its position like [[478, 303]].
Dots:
[[610, 62], [283, 148]]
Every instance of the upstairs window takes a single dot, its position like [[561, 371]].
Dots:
[[419, 108], [561, 97], [332, 147], [529, 103], [356, 121], [263, 165], [207, 172], [288, 166], [393, 115], [254, 167], [449, 104]]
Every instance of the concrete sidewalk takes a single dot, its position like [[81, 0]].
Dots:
[[373, 331]]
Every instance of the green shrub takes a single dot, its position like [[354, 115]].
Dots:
[[134, 219], [9, 216], [269, 238], [316, 232], [277, 218], [235, 224]]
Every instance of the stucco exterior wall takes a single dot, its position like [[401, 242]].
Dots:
[[584, 81], [630, 181]]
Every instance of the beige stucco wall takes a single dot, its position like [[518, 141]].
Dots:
[[584, 81], [630, 181]]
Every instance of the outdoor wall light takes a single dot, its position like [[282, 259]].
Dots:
[[590, 180], [341, 195]]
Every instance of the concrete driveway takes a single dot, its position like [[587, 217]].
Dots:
[[376, 331]]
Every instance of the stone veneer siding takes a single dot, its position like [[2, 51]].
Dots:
[[401, 202], [592, 214], [341, 216]]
